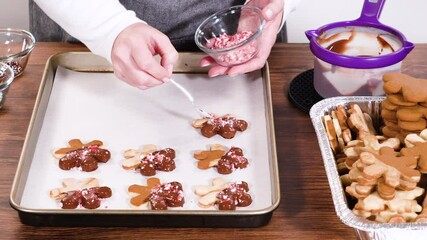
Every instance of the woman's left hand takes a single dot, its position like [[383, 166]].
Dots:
[[272, 11]]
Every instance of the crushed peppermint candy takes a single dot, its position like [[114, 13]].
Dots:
[[89, 198], [162, 160], [166, 195], [16, 67], [233, 159], [235, 195], [237, 56], [85, 158], [226, 126], [224, 40]]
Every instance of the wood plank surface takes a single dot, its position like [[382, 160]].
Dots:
[[306, 210]]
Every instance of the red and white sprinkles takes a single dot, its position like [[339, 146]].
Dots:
[[166, 195], [236, 56]]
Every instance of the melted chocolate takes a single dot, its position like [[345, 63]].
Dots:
[[342, 46], [232, 159], [234, 196], [225, 126], [87, 198], [166, 195], [162, 160], [86, 158]]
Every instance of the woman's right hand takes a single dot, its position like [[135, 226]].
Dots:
[[133, 58]]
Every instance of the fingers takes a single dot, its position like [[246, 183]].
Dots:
[[147, 64], [129, 72], [159, 45], [252, 65], [270, 8], [133, 56], [217, 70], [273, 9], [207, 61], [168, 55]]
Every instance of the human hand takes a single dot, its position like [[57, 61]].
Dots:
[[133, 54], [272, 11]]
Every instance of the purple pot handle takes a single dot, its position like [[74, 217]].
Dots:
[[371, 11]]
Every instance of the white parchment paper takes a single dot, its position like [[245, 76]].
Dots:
[[98, 106]]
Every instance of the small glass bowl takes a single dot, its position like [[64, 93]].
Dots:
[[231, 36], [6, 78], [15, 48]]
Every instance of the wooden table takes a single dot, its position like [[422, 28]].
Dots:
[[306, 210]]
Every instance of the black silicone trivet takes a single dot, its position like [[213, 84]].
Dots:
[[302, 93]]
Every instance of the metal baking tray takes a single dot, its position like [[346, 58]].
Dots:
[[71, 76], [364, 229]]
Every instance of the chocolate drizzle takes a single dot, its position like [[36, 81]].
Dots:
[[88, 198], [166, 195], [236, 195], [162, 160], [86, 158], [226, 126], [232, 159], [344, 45]]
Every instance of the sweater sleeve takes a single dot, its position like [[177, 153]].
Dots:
[[96, 23]]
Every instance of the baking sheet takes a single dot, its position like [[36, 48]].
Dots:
[[92, 106]]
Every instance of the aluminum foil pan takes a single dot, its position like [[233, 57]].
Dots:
[[364, 228]]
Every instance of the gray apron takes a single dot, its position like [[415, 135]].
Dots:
[[178, 19]]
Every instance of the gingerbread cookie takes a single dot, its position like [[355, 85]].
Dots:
[[422, 217], [226, 126], [370, 143], [333, 133], [227, 196], [350, 132], [386, 171], [386, 104], [225, 162], [404, 110], [412, 89], [360, 122], [399, 100], [405, 164], [149, 160], [160, 196], [86, 193], [83, 156], [341, 115], [403, 204], [412, 138], [419, 152], [340, 124]]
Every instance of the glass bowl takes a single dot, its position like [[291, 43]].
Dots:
[[6, 78], [231, 36], [15, 48]]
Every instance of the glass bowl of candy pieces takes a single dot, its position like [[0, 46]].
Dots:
[[231, 36], [15, 48]]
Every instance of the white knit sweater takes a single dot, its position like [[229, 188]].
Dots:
[[96, 23]]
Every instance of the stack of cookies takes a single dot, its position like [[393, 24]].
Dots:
[[404, 110], [381, 175]]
